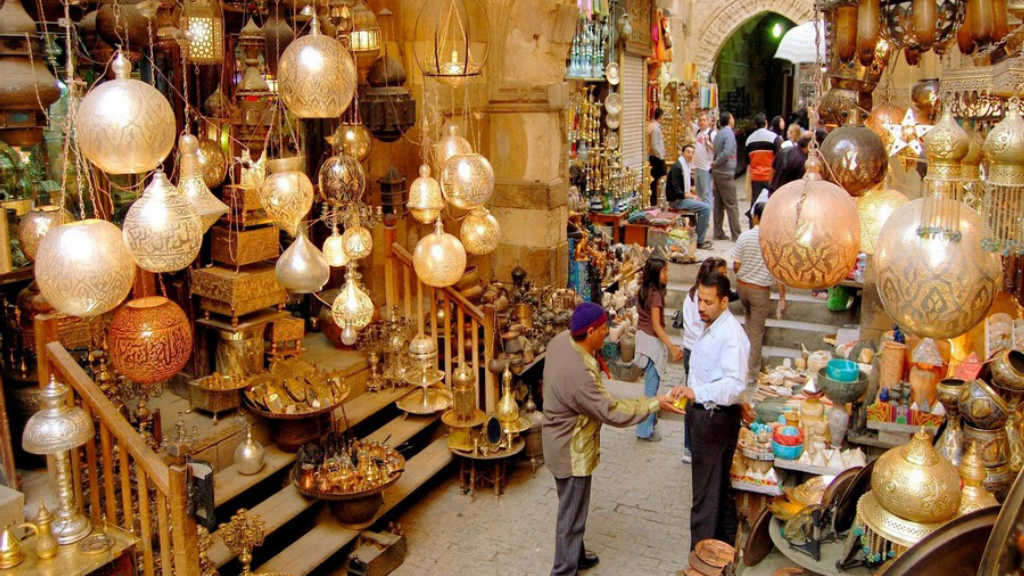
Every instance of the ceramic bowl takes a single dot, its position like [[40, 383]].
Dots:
[[983, 407], [842, 370], [788, 436], [840, 392], [787, 452]]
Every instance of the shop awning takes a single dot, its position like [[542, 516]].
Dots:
[[797, 45]]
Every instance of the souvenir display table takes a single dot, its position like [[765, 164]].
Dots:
[[490, 468]]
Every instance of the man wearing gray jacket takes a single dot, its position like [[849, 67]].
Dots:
[[723, 172], [576, 403]]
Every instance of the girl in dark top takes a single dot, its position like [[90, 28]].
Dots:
[[653, 344]]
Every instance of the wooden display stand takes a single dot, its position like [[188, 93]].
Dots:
[[614, 220]]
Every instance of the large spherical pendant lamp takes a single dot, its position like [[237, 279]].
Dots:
[[287, 193], [881, 117], [467, 181], [439, 258], [449, 145], [162, 229], [353, 140], [352, 309], [36, 223], [480, 232], [342, 180], [150, 340], [936, 285], [855, 156], [83, 268], [302, 268], [425, 199], [874, 209], [334, 250], [810, 233], [125, 126], [316, 76], [358, 241], [192, 185]]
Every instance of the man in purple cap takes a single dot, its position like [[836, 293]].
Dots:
[[576, 403]]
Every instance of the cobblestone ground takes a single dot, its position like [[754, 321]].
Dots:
[[639, 514]]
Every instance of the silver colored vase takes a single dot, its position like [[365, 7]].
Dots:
[[249, 454]]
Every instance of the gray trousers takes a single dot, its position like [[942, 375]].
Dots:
[[573, 506], [757, 302], [725, 201]]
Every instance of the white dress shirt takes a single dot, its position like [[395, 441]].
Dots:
[[656, 141], [718, 362]]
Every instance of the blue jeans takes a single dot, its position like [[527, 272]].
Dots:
[[704, 184], [651, 382], [703, 211]]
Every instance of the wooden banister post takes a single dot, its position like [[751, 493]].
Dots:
[[490, 382], [390, 297], [45, 326], [183, 525]]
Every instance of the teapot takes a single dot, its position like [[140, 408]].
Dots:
[[11, 553]]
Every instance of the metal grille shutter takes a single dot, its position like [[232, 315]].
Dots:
[[631, 129]]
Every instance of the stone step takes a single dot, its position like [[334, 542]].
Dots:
[[275, 511], [798, 306], [329, 536], [781, 333]]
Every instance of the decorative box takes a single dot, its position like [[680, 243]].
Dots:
[[235, 293], [285, 336], [240, 247], [244, 208]]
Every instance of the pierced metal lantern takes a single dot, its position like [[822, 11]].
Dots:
[[467, 180], [451, 39], [425, 199], [387, 106], [287, 193], [204, 31], [162, 229], [439, 258], [393, 192], [480, 232], [317, 78]]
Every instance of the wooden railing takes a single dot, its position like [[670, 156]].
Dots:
[[128, 483], [405, 291]]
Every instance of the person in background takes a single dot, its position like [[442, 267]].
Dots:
[[703, 154], [715, 386], [761, 146], [681, 196], [793, 134], [693, 326], [754, 283], [653, 344], [778, 126], [723, 172], [656, 153], [576, 403], [789, 166]]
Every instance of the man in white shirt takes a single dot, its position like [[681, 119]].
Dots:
[[656, 153], [680, 194], [703, 154], [715, 386]]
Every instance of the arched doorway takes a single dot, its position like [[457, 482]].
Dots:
[[749, 79]]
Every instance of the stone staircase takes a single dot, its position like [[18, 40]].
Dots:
[[806, 321]]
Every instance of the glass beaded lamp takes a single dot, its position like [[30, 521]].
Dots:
[[162, 229], [316, 76], [192, 185], [480, 232], [352, 308], [204, 31], [84, 268], [150, 339], [287, 193], [302, 268], [425, 199], [467, 181], [439, 258], [125, 126]]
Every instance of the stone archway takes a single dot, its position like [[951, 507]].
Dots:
[[731, 14]]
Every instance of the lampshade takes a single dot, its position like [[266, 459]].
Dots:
[[150, 340], [425, 200], [316, 76], [192, 185], [936, 286], [83, 268], [946, 145], [204, 31], [36, 223], [352, 139], [364, 39], [856, 157], [873, 210], [358, 241], [58, 426], [352, 308], [810, 233], [212, 160], [302, 268], [287, 193], [449, 145], [439, 258], [334, 250], [480, 232], [125, 126], [467, 180], [162, 229], [342, 180], [451, 42]]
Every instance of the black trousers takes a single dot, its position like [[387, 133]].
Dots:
[[714, 434], [573, 506], [687, 442], [657, 171]]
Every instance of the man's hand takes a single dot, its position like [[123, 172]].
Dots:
[[667, 404], [781, 308], [681, 391], [747, 413], [676, 352]]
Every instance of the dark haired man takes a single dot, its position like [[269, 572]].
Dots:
[[761, 148], [723, 172], [681, 196], [656, 153], [715, 384]]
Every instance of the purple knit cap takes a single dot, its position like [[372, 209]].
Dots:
[[586, 316]]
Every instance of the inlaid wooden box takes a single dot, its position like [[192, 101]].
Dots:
[[241, 247], [235, 293], [244, 208]]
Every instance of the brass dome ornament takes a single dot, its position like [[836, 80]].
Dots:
[[467, 180], [810, 231], [946, 145], [914, 482], [316, 75], [855, 156], [302, 268], [1004, 186], [84, 268], [162, 229], [874, 208], [425, 199], [125, 126], [287, 193], [439, 258], [36, 223], [480, 232], [935, 280], [193, 186], [451, 40]]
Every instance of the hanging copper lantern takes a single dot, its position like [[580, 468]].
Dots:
[[125, 126], [162, 229], [150, 340], [387, 107], [845, 33], [810, 232], [883, 115], [451, 39], [287, 193], [317, 78], [869, 23], [918, 26], [855, 156], [204, 31], [36, 223], [29, 87], [252, 114], [964, 39], [1004, 187], [439, 258], [981, 14], [924, 19]]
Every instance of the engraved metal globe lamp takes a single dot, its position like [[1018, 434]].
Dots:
[[287, 193], [467, 180], [150, 340], [162, 229], [425, 199], [36, 223], [316, 76], [439, 259], [480, 232], [352, 308], [193, 186]]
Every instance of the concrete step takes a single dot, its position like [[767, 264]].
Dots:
[[799, 306], [783, 334]]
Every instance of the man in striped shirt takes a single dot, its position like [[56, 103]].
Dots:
[[754, 282]]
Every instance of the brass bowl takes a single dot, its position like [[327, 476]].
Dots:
[[983, 407], [993, 445], [1008, 370]]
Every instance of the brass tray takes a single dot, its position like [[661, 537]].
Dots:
[[437, 401], [339, 496], [254, 408]]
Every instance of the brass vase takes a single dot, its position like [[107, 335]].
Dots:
[[951, 443]]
